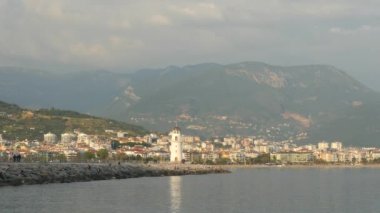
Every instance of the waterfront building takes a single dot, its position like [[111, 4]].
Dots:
[[252, 154], [353, 156], [292, 157], [50, 138], [237, 157], [70, 154], [176, 148], [211, 156], [331, 157], [192, 156], [375, 154], [261, 148], [224, 154]]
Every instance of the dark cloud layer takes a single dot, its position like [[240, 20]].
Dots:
[[128, 35]]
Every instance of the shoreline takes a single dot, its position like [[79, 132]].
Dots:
[[300, 166], [16, 174]]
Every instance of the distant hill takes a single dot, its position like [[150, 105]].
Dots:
[[248, 98], [19, 123]]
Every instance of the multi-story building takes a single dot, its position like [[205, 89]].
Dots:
[[261, 148], [337, 145], [50, 138], [331, 157], [375, 154], [67, 138], [292, 157], [83, 138], [323, 145]]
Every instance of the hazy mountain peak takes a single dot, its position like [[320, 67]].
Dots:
[[251, 97]]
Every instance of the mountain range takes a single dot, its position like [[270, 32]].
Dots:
[[303, 103]]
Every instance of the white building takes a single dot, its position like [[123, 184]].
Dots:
[[50, 138], [261, 148], [122, 134], [83, 138], [67, 138], [152, 138], [176, 149], [310, 147], [336, 145], [323, 145]]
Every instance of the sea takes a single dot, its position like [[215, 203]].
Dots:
[[273, 190]]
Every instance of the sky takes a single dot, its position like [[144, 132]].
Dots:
[[126, 35]]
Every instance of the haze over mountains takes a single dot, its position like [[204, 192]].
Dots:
[[306, 103]]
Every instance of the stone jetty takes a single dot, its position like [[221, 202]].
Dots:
[[15, 174]]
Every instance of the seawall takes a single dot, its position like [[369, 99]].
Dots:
[[15, 174]]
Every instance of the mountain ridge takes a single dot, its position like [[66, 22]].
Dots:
[[247, 98]]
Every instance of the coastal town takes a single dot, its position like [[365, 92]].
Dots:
[[175, 147]]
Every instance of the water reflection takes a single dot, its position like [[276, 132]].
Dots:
[[175, 193]]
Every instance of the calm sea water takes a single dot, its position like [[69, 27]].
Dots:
[[245, 190]]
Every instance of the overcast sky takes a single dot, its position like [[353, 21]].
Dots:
[[129, 35]]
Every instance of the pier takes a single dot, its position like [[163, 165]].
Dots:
[[15, 174]]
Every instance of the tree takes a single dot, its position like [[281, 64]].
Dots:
[[376, 160], [209, 162], [102, 154], [320, 161], [62, 158], [353, 160], [139, 158], [115, 144], [89, 155], [222, 161], [262, 159], [364, 161], [197, 161], [121, 156]]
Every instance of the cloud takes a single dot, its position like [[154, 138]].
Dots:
[[129, 35], [199, 11], [81, 49], [160, 20], [119, 24], [352, 31]]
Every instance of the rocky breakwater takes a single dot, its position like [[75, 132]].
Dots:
[[31, 173]]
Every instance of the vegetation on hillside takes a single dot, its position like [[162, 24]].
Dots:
[[18, 123]]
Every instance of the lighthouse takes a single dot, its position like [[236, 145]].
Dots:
[[175, 145]]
